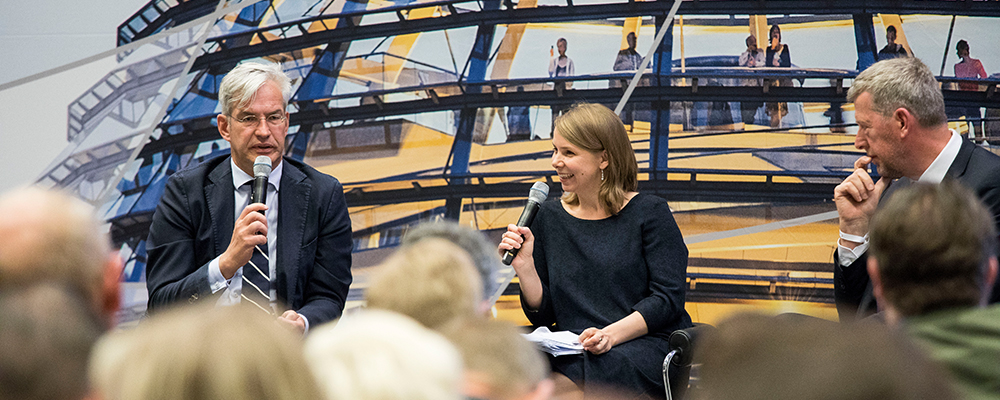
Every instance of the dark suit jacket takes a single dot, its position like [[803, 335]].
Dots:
[[976, 168], [193, 224]]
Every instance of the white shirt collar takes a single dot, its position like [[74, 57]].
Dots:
[[936, 171], [240, 177]]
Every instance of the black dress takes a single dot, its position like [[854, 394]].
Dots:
[[596, 272]]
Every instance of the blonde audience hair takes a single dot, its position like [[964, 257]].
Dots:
[[202, 353], [431, 280], [500, 364], [381, 355], [595, 128]]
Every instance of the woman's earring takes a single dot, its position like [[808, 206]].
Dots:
[[602, 175]]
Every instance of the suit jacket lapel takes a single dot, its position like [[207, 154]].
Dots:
[[220, 199], [293, 201], [961, 163]]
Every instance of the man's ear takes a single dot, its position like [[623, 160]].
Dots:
[[111, 288], [223, 122], [543, 390], [903, 120], [990, 278], [876, 278]]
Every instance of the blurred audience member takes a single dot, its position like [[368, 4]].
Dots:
[[891, 49], [432, 281], [46, 335], [777, 55], [752, 357], [51, 236], [753, 57], [500, 364], [474, 242], [933, 264], [204, 352], [379, 355], [970, 68]]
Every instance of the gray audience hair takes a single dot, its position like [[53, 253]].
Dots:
[[483, 254]]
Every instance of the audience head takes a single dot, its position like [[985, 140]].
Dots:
[[775, 35], [46, 335], [500, 364], [474, 242], [630, 39], [377, 355], [752, 357], [962, 48], [240, 85], [751, 43], [595, 128], [561, 46], [890, 34], [49, 235], [932, 247], [904, 82], [432, 281], [204, 352]]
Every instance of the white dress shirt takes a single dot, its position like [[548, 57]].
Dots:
[[233, 287]]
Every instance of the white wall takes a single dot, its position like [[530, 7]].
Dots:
[[36, 36]]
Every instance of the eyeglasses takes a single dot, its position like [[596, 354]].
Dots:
[[253, 121]]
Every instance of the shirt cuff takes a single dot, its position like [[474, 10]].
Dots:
[[307, 324], [215, 279], [846, 256]]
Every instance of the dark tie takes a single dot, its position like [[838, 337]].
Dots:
[[256, 280]]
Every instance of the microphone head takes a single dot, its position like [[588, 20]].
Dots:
[[539, 192], [262, 166]]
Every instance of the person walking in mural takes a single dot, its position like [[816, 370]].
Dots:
[[558, 67], [777, 55]]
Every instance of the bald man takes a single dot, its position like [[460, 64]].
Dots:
[[50, 236]]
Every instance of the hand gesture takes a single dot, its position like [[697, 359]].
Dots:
[[518, 237], [857, 197], [249, 230], [596, 341]]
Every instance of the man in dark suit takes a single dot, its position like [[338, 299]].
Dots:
[[196, 252], [904, 131]]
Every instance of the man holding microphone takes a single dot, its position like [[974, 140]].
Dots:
[[209, 242]]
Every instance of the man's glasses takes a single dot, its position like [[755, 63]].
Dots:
[[253, 121]]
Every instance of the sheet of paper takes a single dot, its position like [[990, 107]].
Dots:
[[555, 343]]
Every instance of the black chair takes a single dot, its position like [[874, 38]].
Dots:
[[677, 363]]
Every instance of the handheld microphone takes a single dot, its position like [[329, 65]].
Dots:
[[539, 191], [261, 170]]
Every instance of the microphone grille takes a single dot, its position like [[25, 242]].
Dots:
[[539, 192], [262, 166]]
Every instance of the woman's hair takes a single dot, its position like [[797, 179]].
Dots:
[[771, 32], [377, 355], [432, 281], [595, 128], [202, 353]]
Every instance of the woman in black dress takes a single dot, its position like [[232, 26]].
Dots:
[[604, 261]]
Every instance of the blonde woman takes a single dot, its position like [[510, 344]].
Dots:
[[604, 261]]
